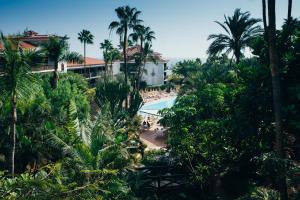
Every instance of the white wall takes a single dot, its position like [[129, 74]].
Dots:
[[65, 66], [116, 68], [51, 63], [153, 76]]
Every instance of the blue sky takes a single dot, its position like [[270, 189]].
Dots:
[[181, 26]]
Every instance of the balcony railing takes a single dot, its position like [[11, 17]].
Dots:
[[43, 68]]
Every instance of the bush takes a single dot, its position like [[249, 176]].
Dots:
[[143, 85]]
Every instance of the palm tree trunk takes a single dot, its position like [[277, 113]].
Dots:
[[264, 14], [237, 57], [54, 79], [84, 62], [290, 10], [274, 67], [140, 66], [125, 62], [106, 68], [142, 41], [110, 70], [138, 77], [106, 64], [13, 132]]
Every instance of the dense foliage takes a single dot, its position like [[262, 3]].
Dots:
[[63, 138], [65, 154], [222, 124]]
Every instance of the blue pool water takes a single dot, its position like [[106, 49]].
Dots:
[[154, 107]]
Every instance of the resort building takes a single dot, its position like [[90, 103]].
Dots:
[[93, 68], [154, 73], [31, 40]]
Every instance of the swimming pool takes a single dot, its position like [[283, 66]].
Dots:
[[153, 107]]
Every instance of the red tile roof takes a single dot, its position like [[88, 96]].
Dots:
[[23, 45], [131, 51], [88, 61], [34, 36]]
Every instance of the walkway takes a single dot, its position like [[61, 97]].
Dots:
[[152, 140]]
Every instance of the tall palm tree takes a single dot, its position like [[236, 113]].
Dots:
[[274, 67], [107, 47], [16, 80], [240, 29], [141, 58], [85, 37], [128, 19], [144, 35], [57, 50]]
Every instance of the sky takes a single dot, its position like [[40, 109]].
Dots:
[[181, 26]]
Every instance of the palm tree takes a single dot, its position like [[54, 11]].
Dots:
[[128, 19], [98, 136], [240, 29], [57, 50], [141, 58], [274, 67], [142, 33], [130, 43], [145, 36], [16, 80], [113, 55], [85, 37], [107, 47]]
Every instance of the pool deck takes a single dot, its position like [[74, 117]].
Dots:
[[149, 136], [151, 139]]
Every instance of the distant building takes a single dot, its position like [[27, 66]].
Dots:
[[93, 67], [32, 40], [155, 73]]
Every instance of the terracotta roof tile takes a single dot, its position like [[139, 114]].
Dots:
[[23, 45], [88, 61], [131, 51]]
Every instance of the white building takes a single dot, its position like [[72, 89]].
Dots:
[[32, 41], [155, 74]]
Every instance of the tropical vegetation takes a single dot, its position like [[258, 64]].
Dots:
[[233, 132], [239, 28], [85, 37]]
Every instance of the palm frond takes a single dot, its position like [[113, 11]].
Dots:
[[72, 57], [240, 29], [85, 36]]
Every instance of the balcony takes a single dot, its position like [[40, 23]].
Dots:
[[43, 68]]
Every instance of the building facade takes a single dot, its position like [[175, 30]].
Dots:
[[154, 73]]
